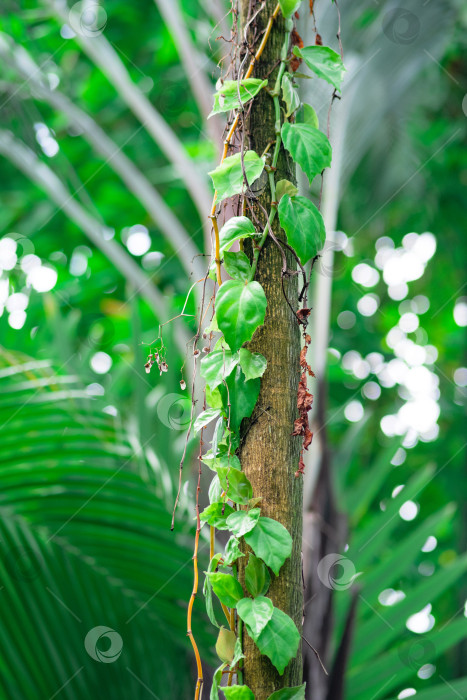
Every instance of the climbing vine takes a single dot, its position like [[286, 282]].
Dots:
[[232, 373]]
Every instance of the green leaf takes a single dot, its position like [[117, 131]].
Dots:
[[303, 225], [230, 441], [236, 485], [215, 490], [225, 645], [217, 365], [289, 95], [395, 665], [226, 98], [238, 652], [238, 692], [234, 229], [213, 397], [279, 640], [232, 551], [218, 432], [381, 629], [297, 693], [228, 179], [207, 591], [310, 117], [324, 62], [242, 395], [270, 541], [216, 515], [226, 588], [288, 7], [240, 309], [221, 460], [237, 266], [212, 327], [285, 187], [309, 147], [255, 613], [216, 680], [391, 568], [257, 578], [445, 691], [253, 364], [60, 452], [242, 521], [375, 532], [205, 417]]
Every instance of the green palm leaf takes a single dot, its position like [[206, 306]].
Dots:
[[84, 542]]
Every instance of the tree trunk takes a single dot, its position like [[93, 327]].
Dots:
[[268, 453]]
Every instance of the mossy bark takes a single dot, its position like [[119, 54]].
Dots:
[[268, 453]]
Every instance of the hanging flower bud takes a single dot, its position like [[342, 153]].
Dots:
[[182, 384], [147, 367], [196, 353], [164, 367], [206, 349]]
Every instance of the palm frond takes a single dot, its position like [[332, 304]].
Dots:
[[85, 542]]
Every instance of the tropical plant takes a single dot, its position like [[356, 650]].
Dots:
[[109, 121], [85, 545]]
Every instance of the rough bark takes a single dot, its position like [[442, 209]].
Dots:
[[268, 453]]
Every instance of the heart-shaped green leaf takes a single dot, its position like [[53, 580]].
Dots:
[[237, 266], [309, 147], [324, 62], [289, 95], [303, 225], [279, 640], [242, 396], [234, 229], [227, 98], [285, 187], [216, 515], [310, 117], [255, 613], [205, 417], [226, 588], [232, 551], [242, 521], [240, 309], [228, 178], [253, 364], [257, 577], [236, 485], [221, 460], [217, 365], [270, 541]]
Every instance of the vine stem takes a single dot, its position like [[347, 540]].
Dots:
[[212, 536], [229, 137], [199, 666]]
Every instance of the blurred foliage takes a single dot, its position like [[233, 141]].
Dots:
[[409, 177]]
